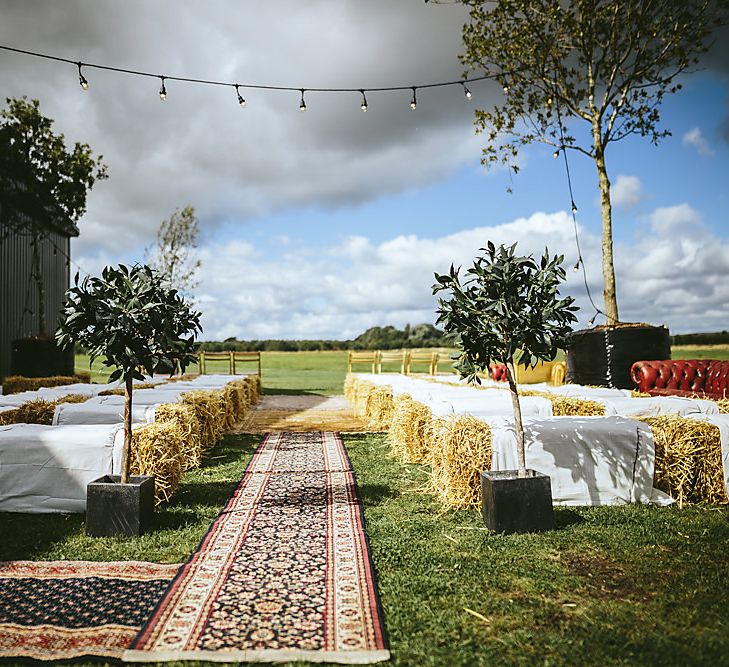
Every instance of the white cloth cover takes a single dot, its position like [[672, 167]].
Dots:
[[590, 460], [657, 405], [46, 468], [100, 413]]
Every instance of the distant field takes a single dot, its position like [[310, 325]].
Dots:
[[323, 372]]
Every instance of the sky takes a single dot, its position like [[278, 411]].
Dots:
[[324, 223]]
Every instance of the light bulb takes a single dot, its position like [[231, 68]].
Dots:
[[363, 106], [555, 155], [466, 92], [414, 101], [163, 90], [82, 79], [302, 104], [506, 89], [574, 207], [591, 322], [549, 101], [241, 101], [576, 267]]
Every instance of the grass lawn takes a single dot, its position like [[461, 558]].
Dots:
[[611, 586]]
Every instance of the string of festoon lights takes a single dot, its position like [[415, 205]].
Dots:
[[240, 88]]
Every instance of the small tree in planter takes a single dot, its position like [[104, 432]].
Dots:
[[131, 319], [507, 307]]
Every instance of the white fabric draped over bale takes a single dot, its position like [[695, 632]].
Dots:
[[100, 413], [656, 406], [589, 460], [46, 468]]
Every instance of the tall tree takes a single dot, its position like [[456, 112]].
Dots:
[[174, 254], [608, 63], [40, 179]]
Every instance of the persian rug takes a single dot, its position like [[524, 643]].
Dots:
[[62, 610], [283, 574]]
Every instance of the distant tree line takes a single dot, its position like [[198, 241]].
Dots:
[[712, 338], [375, 338]]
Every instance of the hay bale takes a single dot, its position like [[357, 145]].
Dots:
[[410, 435], [209, 408], [379, 408], [14, 384], [350, 387], [362, 390], [569, 406], [635, 393], [462, 449], [31, 412], [72, 398], [183, 418], [723, 404], [157, 449], [688, 459]]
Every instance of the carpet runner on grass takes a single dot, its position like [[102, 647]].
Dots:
[[283, 574], [63, 610]]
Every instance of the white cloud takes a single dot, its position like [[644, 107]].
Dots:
[[627, 191], [694, 139], [675, 275]]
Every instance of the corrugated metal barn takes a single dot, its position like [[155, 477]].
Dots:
[[19, 315]]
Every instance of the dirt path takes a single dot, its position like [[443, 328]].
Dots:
[[302, 413]]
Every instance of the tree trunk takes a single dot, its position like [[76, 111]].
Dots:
[[38, 277], [127, 428], [608, 265], [510, 375]]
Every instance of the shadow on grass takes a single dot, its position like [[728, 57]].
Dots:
[[270, 391], [564, 518], [374, 494]]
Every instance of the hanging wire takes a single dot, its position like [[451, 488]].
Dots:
[[573, 208], [237, 86]]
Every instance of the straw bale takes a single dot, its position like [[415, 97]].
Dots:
[[688, 459], [157, 449], [462, 449], [410, 435], [723, 404], [183, 418], [569, 406], [379, 407], [350, 385], [72, 398], [120, 391], [209, 407], [31, 412], [14, 384], [635, 393]]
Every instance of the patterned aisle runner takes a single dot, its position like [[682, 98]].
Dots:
[[283, 574]]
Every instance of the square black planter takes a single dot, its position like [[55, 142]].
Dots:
[[113, 508], [513, 504]]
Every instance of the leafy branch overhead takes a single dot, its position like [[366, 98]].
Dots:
[[607, 63], [507, 306]]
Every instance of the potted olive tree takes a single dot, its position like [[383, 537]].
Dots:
[[132, 320], [508, 308]]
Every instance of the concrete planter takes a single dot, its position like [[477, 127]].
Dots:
[[513, 504], [113, 508]]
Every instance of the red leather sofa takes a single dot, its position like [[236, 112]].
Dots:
[[682, 377]]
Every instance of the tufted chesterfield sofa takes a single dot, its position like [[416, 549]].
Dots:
[[682, 377]]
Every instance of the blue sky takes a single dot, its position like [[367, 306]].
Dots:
[[325, 223]]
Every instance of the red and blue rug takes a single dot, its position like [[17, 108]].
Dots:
[[66, 610], [283, 574]]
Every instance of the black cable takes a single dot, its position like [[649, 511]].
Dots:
[[581, 261], [213, 82]]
